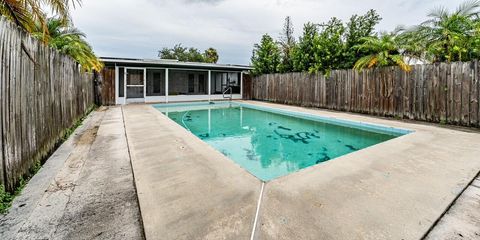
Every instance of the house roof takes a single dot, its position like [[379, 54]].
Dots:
[[172, 64]]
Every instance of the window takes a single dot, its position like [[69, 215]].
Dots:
[[155, 82], [135, 77], [201, 83], [121, 82], [223, 80], [191, 83]]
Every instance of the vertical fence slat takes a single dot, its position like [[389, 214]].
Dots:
[[39, 99], [474, 104], [3, 77], [444, 92]]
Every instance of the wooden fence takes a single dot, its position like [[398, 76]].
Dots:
[[42, 93], [441, 93], [247, 86], [107, 91]]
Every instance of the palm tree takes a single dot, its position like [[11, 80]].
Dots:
[[384, 52], [69, 40], [210, 55], [26, 13], [450, 36]]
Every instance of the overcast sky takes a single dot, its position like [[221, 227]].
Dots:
[[139, 28]]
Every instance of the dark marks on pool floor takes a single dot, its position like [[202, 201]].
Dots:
[[297, 137], [324, 158], [351, 147], [284, 128], [203, 136]]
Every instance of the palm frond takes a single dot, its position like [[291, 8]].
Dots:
[[24, 14], [399, 60], [469, 8], [365, 62], [438, 12]]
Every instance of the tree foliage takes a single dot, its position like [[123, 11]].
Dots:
[[287, 44], [211, 55], [62, 35], [28, 13], [191, 54], [58, 32], [384, 52], [326, 46], [266, 56], [329, 46], [445, 37], [303, 55], [358, 27], [448, 36]]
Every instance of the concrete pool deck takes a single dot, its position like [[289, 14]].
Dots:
[[394, 190], [399, 189], [85, 190]]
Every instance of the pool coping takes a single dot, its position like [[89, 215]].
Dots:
[[287, 195]]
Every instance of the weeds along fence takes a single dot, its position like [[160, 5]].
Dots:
[[42, 94], [441, 93]]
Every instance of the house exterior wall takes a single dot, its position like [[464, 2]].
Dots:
[[160, 86]]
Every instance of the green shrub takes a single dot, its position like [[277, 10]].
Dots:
[[5, 199]]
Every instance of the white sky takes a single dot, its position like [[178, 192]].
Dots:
[[139, 28]]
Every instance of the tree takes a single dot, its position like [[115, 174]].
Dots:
[[27, 13], [357, 28], [413, 47], [266, 56], [384, 52], [61, 35], [450, 36], [210, 55], [287, 43], [329, 47], [303, 55], [180, 53]]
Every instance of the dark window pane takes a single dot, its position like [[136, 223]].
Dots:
[[222, 80], [134, 92], [121, 82], [236, 86], [134, 77], [156, 82], [191, 83], [201, 83]]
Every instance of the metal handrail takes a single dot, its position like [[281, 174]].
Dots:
[[226, 90]]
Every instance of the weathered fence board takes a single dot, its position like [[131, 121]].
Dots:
[[108, 86], [42, 93], [441, 92], [247, 86]]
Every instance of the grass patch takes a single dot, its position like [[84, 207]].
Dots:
[[6, 198]]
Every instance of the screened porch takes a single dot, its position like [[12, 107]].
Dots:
[[137, 84]]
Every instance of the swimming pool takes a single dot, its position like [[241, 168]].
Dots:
[[270, 142]]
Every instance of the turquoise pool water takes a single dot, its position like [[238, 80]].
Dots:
[[270, 143]]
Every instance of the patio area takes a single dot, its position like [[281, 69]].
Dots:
[[399, 189]]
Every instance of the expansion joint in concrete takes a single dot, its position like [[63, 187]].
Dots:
[[450, 206]]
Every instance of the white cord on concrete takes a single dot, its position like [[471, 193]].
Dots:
[[252, 236]]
